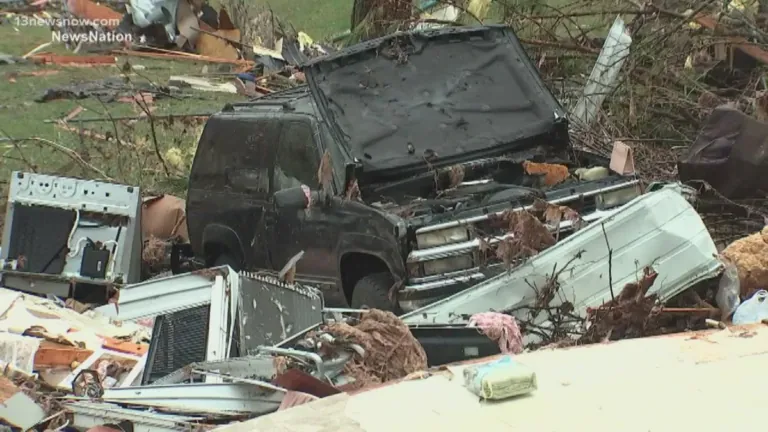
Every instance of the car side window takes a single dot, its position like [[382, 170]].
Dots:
[[236, 154], [297, 156]]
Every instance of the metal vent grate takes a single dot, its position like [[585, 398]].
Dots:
[[178, 339], [273, 311]]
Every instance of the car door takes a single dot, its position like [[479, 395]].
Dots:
[[230, 181], [313, 230]]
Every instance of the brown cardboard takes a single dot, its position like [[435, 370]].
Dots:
[[164, 217], [622, 159]]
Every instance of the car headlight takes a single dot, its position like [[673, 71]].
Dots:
[[442, 237], [447, 265], [618, 197]]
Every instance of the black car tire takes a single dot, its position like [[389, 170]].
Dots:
[[372, 292], [227, 259]]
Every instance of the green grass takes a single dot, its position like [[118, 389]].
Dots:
[[319, 19], [22, 117]]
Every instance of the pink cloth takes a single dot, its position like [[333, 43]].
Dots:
[[500, 328], [147, 322]]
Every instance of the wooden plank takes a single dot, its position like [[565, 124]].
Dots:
[[72, 60], [125, 347], [51, 354]]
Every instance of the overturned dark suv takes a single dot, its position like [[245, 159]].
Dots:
[[386, 166]]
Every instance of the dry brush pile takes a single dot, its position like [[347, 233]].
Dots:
[[682, 63]]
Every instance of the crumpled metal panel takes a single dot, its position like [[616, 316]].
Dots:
[[222, 399], [161, 296], [256, 367], [93, 414], [659, 229], [273, 311]]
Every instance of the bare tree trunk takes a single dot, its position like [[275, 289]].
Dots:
[[254, 19]]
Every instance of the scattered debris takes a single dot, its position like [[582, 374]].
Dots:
[[17, 408], [626, 316], [201, 84], [6, 59], [551, 241], [93, 11], [107, 90]]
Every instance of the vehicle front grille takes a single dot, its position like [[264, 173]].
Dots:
[[480, 231]]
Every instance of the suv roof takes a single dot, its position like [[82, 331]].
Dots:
[[295, 99], [456, 92]]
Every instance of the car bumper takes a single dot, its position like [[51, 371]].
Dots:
[[422, 291]]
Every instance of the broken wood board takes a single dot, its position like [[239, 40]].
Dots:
[[125, 347], [219, 43], [51, 355], [74, 60]]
